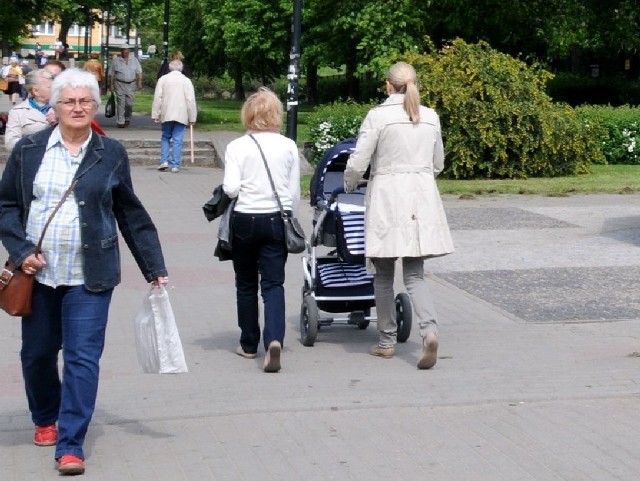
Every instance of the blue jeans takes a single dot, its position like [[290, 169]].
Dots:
[[73, 319], [172, 130], [259, 255]]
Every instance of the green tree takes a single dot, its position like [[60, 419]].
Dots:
[[243, 37], [361, 34], [14, 23]]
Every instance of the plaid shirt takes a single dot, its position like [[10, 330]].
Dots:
[[61, 246]]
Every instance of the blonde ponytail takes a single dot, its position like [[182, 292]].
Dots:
[[403, 79], [412, 102]]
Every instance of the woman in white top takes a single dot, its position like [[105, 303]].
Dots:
[[402, 142], [258, 250]]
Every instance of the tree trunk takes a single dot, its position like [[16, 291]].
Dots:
[[312, 84], [65, 24], [353, 83], [237, 80]]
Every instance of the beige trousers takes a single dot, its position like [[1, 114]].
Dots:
[[424, 311]]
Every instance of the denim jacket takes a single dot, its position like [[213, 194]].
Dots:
[[105, 199]]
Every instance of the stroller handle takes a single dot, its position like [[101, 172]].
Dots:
[[340, 190], [336, 192]]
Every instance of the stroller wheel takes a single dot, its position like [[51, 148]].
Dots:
[[404, 316], [361, 322], [308, 321]]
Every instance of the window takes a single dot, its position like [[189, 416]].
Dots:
[[45, 28], [77, 30], [117, 32]]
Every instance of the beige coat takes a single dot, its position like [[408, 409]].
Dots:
[[23, 120], [404, 213], [174, 99]]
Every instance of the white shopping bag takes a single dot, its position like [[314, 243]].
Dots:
[[157, 339]]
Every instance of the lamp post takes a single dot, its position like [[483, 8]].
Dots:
[[165, 36], [128, 21], [294, 70], [106, 21]]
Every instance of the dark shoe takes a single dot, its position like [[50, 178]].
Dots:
[[121, 126], [68, 464], [272, 359], [383, 352], [126, 123], [45, 435], [429, 355], [246, 355]]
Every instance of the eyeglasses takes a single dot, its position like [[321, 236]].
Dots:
[[85, 104]]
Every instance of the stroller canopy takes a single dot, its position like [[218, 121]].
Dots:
[[334, 160]]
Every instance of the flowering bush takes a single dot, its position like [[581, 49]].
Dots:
[[332, 123], [617, 130]]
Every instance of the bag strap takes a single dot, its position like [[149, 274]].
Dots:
[[273, 186], [55, 211]]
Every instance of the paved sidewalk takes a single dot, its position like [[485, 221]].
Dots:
[[537, 379]]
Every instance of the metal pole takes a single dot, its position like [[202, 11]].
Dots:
[[294, 69], [105, 59], [128, 23], [165, 36]]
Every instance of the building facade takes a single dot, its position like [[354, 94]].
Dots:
[[79, 40]]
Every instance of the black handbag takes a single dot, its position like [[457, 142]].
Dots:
[[293, 233], [110, 108]]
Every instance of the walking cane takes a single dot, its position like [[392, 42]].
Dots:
[[191, 132]]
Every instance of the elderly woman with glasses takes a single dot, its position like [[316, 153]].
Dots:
[[79, 264], [35, 113]]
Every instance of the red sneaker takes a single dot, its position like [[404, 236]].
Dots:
[[45, 435], [70, 464]]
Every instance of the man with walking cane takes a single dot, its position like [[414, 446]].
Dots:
[[174, 106]]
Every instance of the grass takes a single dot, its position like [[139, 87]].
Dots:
[[603, 179], [217, 114], [620, 179]]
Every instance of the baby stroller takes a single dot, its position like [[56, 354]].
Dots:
[[337, 281]]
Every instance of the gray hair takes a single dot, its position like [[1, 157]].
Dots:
[[74, 78], [35, 78], [175, 65]]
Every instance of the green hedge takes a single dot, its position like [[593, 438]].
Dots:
[[617, 130], [329, 124], [498, 121], [579, 90]]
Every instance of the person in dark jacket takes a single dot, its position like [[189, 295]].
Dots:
[[79, 265]]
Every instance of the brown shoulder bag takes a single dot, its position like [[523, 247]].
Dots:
[[16, 287]]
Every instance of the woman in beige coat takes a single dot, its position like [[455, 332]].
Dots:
[[402, 142], [34, 114]]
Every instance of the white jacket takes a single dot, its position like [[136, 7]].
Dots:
[[174, 99], [23, 120], [404, 213]]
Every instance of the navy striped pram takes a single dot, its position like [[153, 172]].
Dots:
[[336, 280]]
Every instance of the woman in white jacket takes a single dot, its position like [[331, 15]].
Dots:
[[402, 142], [34, 114]]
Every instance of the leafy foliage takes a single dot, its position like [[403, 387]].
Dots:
[[332, 123], [498, 122], [617, 129]]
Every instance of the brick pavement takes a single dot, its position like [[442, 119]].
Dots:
[[510, 398]]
